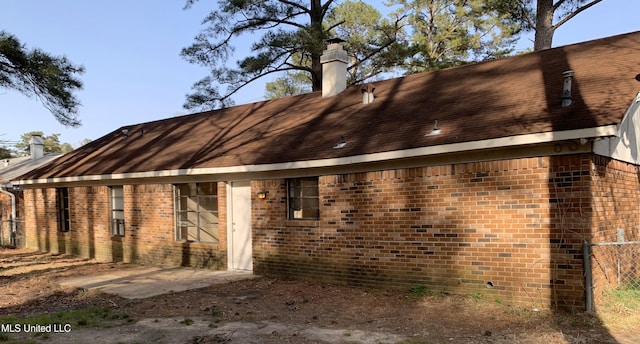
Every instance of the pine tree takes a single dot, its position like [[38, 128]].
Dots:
[[51, 79]]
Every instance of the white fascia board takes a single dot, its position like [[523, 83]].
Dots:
[[503, 142], [626, 143]]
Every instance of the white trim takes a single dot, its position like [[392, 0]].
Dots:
[[625, 146], [503, 142], [229, 202]]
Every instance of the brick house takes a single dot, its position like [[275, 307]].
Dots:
[[481, 178], [11, 197]]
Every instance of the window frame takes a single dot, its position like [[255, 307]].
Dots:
[[117, 222], [62, 203], [198, 214], [291, 200]]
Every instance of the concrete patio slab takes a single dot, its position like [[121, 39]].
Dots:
[[144, 281]]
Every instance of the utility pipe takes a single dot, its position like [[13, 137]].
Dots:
[[588, 285], [3, 189]]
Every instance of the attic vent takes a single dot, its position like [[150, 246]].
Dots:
[[436, 129], [566, 89], [367, 93], [341, 143]]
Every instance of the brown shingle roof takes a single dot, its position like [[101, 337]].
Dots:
[[512, 96]]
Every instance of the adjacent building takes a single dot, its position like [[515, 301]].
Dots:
[[11, 199]]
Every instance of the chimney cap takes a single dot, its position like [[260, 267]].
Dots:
[[368, 88], [335, 40], [36, 139]]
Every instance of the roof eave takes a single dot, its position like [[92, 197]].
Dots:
[[502, 142]]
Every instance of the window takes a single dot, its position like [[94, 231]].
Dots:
[[197, 212], [303, 199], [117, 211], [62, 196]]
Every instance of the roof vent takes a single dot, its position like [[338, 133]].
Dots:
[[334, 68], [436, 130], [341, 143], [367, 93], [567, 100]]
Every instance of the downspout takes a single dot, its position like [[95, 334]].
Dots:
[[3, 189]]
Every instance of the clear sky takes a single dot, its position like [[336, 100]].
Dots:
[[130, 50]]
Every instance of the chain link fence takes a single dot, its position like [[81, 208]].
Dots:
[[612, 273]]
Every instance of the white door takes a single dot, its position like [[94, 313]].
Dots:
[[240, 243]]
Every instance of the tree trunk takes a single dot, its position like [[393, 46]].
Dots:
[[316, 66], [544, 25]]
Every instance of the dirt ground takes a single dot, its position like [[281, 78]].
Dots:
[[266, 310]]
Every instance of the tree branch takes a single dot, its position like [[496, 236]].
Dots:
[[575, 13], [295, 4]]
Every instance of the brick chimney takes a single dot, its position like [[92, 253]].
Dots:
[[36, 147], [334, 68]]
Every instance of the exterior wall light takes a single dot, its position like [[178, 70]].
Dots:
[[263, 194]]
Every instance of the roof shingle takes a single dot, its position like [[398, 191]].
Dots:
[[511, 96]]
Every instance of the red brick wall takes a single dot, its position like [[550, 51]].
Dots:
[[149, 227], [616, 200], [616, 205], [41, 218], [518, 224]]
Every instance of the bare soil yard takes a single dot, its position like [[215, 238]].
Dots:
[[266, 310]]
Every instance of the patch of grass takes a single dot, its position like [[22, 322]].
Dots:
[[620, 308], [419, 290], [623, 300], [477, 296], [93, 317], [628, 295], [187, 321], [5, 338]]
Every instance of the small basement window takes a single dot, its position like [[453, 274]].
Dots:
[[303, 198]]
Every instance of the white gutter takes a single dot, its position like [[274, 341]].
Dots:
[[503, 142], [3, 189]]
